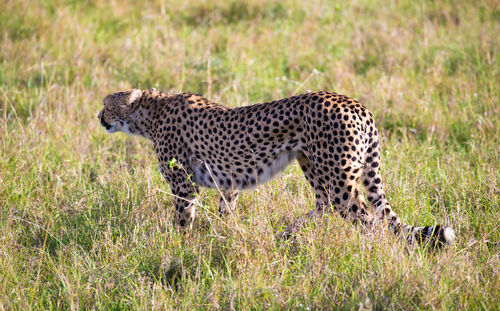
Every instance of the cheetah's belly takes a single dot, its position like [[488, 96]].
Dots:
[[206, 176]]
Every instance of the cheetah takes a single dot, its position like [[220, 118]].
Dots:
[[333, 137]]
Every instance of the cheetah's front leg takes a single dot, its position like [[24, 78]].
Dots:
[[185, 209], [184, 191]]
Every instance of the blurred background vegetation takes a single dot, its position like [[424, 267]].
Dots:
[[85, 217]]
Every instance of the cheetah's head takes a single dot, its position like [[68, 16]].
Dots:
[[117, 109]]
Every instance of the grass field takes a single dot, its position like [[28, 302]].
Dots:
[[86, 218]]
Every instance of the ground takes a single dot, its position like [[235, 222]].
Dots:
[[86, 218]]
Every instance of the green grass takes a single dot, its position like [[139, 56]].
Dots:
[[86, 219]]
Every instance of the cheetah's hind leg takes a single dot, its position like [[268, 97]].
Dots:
[[334, 192], [228, 201]]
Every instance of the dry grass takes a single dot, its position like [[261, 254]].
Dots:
[[86, 219]]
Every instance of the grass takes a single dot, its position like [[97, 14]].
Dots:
[[85, 218]]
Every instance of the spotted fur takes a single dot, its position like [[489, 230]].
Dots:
[[333, 138]]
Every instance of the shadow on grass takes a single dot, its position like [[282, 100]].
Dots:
[[233, 13]]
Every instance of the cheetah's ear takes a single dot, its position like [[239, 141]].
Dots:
[[135, 95], [132, 100]]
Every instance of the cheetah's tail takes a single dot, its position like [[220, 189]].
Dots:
[[434, 236]]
